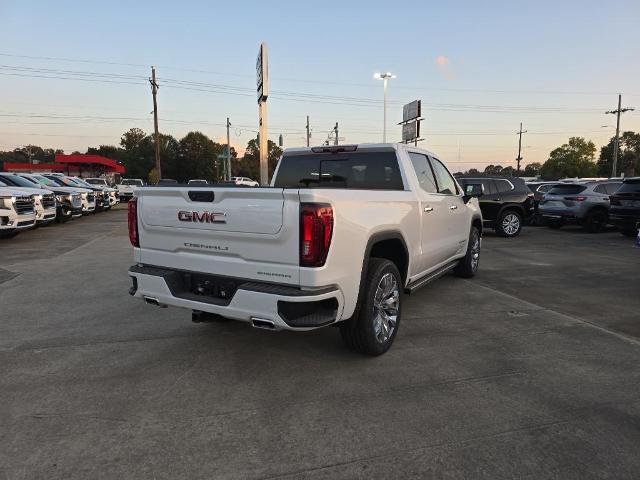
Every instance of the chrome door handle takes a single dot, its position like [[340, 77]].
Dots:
[[428, 209], [453, 207]]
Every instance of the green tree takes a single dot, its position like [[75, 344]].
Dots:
[[628, 156], [138, 157], [169, 150], [532, 170], [249, 165], [508, 171], [573, 159], [197, 154], [493, 169], [108, 151]]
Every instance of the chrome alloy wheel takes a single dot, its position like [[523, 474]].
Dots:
[[386, 303], [510, 223]]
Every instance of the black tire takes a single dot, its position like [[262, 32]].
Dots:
[[468, 265], [5, 234], [509, 224], [555, 224], [364, 332], [595, 221]]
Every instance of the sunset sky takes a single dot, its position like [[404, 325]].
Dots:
[[74, 74]]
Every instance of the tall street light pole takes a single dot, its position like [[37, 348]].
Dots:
[[385, 79]]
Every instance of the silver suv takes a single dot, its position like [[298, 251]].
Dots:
[[586, 204]]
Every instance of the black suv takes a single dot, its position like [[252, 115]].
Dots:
[[624, 208], [506, 203]]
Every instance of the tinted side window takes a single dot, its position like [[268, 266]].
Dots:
[[612, 188], [423, 171], [504, 186], [600, 189], [446, 183], [487, 187]]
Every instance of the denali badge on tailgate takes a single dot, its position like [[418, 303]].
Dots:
[[202, 217]]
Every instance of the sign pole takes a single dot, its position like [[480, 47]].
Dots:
[[262, 83]]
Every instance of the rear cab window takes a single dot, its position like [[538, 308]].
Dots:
[[366, 170]]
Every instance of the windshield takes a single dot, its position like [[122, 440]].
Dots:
[[132, 182], [629, 187], [69, 182], [82, 183], [95, 181], [20, 181], [46, 181]]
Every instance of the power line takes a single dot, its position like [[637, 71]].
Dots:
[[282, 94], [323, 82]]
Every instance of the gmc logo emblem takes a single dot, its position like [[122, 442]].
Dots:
[[202, 217]]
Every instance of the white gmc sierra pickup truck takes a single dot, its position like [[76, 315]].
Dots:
[[337, 238]]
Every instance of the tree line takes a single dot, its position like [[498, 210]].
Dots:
[[577, 158], [193, 156], [197, 156]]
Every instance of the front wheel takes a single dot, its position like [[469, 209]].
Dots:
[[468, 265], [509, 224], [375, 325]]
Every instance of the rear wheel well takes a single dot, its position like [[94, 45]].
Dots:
[[478, 224], [394, 250], [516, 208]]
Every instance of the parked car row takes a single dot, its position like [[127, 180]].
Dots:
[[28, 200], [593, 204], [506, 202]]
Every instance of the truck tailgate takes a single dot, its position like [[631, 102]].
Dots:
[[241, 232]]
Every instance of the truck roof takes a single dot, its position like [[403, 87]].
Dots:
[[374, 147]]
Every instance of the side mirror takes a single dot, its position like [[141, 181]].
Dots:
[[472, 190]]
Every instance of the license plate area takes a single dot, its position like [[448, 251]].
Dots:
[[201, 287]]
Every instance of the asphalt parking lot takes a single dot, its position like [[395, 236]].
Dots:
[[530, 370]]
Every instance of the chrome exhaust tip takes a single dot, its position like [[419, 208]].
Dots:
[[263, 324], [153, 301]]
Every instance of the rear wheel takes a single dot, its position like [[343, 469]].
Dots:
[[468, 266], [509, 224], [375, 325], [595, 221]]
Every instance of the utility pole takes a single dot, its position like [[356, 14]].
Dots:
[[519, 158], [228, 165], [335, 129], [308, 131], [617, 139], [154, 92]]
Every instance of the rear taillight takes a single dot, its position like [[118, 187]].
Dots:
[[579, 198], [316, 228], [133, 222]]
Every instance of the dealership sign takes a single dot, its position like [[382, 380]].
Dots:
[[411, 116], [262, 73]]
